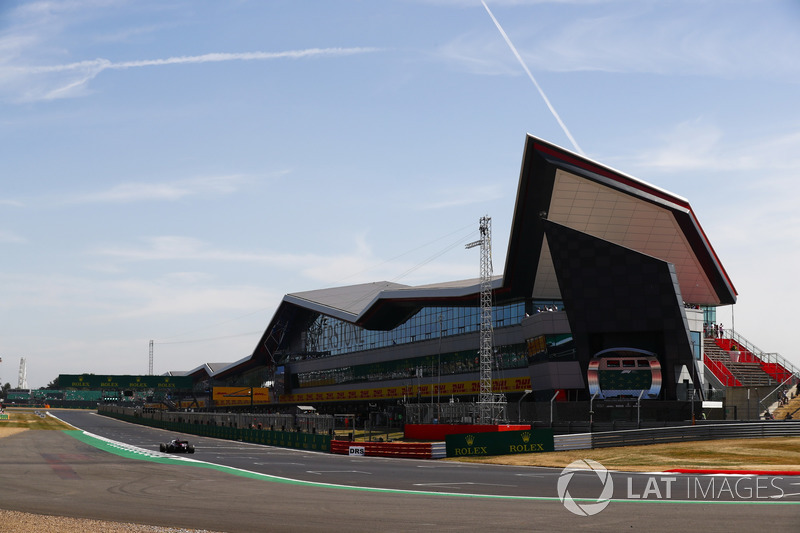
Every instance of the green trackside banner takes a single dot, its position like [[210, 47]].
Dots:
[[286, 439], [499, 443], [105, 381]]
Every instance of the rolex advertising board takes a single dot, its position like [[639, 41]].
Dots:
[[105, 381], [499, 443]]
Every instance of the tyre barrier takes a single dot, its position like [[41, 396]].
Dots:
[[409, 450]]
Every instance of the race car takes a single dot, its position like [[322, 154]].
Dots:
[[177, 446]]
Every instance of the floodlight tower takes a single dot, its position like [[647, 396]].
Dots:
[[150, 368], [486, 399], [22, 382]]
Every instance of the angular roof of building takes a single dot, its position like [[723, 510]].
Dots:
[[560, 186], [581, 194], [346, 303], [201, 372]]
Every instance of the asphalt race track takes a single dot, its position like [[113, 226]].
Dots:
[[244, 488]]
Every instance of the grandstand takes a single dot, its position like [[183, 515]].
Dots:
[[85, 399]]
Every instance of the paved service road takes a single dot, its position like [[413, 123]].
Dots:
[[54, 473]]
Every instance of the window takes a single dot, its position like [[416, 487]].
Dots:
[[327, 334]]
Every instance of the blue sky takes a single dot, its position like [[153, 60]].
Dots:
[[171, 169]]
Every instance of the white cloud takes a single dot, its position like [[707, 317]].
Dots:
[[11, 203], [133, 192], [10, 237], [171, 247], [690, 145], [461, 196], [670, 38], [701, 145], [26, 83], [169, 299], [71, 324], [104, 301], [130, 34], [188, 277], [45, 8], [479, 53], [316, 267], [347, 267]]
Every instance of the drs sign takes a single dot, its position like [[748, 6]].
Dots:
[[357, 450]]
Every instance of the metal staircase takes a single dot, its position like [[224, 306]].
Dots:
[[748, 374], [765, 357]]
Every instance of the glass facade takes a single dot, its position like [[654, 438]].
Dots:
[[697, 344], [506, 357], [334, 337], [709, 315], [329, 336]]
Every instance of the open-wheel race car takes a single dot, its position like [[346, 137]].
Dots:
[[177, 446]]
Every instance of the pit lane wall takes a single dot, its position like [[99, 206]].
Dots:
[[286, 439]]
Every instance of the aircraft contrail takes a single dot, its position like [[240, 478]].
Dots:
[[528, 72], [87, 70], [103, 64]]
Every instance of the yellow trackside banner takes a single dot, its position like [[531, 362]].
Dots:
[[183, 404], [409, 391], [240, 395], [187, 404]]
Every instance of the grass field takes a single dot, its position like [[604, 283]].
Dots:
[[21, 419], [774, 453]]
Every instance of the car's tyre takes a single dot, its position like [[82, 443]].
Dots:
[[163, 447], [190, 448]]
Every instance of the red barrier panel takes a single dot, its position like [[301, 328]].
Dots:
[[722, 373], [414, 450], [777, 371], [438, 432]]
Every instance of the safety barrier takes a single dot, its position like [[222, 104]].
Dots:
[[578, 441], [438, 450], [286, 439], [409, 450], [633, 437]]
